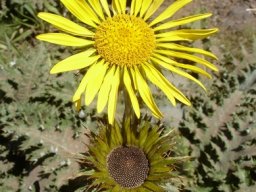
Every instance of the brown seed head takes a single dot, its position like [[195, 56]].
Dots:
[[128, 166]]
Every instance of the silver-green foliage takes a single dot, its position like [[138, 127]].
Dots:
[[220, 130], [40, 133]]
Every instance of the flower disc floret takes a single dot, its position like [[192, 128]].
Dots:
[[125, 40]]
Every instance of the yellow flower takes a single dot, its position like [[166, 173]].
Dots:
[[123, 159], [124, 48]]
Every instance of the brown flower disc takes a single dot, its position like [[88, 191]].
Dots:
[[128, 166]]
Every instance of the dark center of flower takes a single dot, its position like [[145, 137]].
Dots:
[[124, 40], [128, 166]]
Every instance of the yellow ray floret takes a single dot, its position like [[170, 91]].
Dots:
[[130, 90], [170, 11], [178, 22], [95, 82], [103, 94], [75, 62], [65, 24], [64, 39], [82, 11], [113, 96], [152, 9]]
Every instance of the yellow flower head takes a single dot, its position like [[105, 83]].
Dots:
[[124, 48]]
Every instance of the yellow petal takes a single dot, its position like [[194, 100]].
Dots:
[[152, 9], [95, 4], [182, 21], [170, 11], [64, 39], [133, 77], [82, 11], [65, 25], [104, 4], [188, 57], [74, 62], [165, 59], [187, 49], [146, 94], [137, 7], [103, 94], [158, 82], [178, 71], [132, 8], [119, 6], [144, 7], [116, 6], [123, 5], [132, 95], [173, 37], [170, 88], [81, 88], [194, 69], [113, 96], [95, 82], [181, 65], [191, 34]]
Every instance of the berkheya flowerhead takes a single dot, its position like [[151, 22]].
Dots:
[[123, 48], [131, 158]]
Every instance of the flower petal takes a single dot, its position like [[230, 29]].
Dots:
[[158, 82], [81, 88], [95, 82], [173, 37], [191, 34], [65, 24], [123, 5], [119, 6], [132, 95], [187, 49], [144, 7], [188, 57], [74, 62], [82, 11], [178, 71], [113, 96], [103, 94], [146, 94], [64, 39], [182, 21], [171, 88], [181, 65], [95, 4], [152, 9], [170, 11], [135, 7], [104, 4], [132, 7]]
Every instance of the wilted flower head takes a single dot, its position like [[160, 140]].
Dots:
[[123, 159]]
